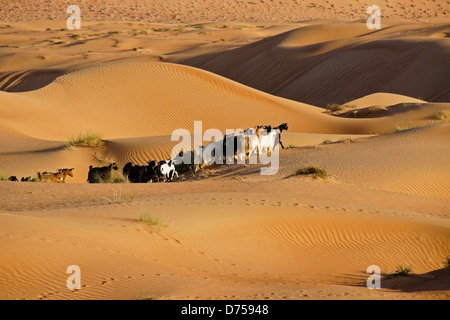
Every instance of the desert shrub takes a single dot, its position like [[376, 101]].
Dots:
[[4, 175], [35, 179], [148, 219], [447, 262], [375, 110], [88, 139], [116, 177], [315, 171], [401, 271], [155, 223], [334, 107], [342, 140], [118, 197], [441, 114], [399, 128]]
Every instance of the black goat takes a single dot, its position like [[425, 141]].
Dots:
[[140, 174], [99, 174]]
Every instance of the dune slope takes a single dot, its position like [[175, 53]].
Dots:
[[336, 63]]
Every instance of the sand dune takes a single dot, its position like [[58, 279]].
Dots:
[[136, 71], [383, 100], [138, 99], [327, 64], [386, 162], [138, 105]]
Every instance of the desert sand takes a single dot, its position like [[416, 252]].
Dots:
[[138, 70]]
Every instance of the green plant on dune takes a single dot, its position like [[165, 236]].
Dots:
[[441, 114], [401, 271], [155, 223], [3, 175], [118, 197], [410, 104], [400, 128], [342, 140], [447, 262], [335, 107], [315, 171], [115, 177], [88, 139]]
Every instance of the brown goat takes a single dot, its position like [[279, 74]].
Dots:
[[66, 172], [51, 176]]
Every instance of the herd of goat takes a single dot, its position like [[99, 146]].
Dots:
[[165, 170]]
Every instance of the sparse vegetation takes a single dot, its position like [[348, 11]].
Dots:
[[3, 175], [401, 271], [375, 110], [35, 179], [335, 107], [447, 262], [441, 114], [201, 172], [9, 45], [119, 198], [152, 297], [160, 29], [153, 222], [88, 139], [116, 177], [343, 140], [399, 128], [315, 171], [409, 104]]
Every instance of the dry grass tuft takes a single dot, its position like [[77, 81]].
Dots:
[[315, 171], [88, 139]]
